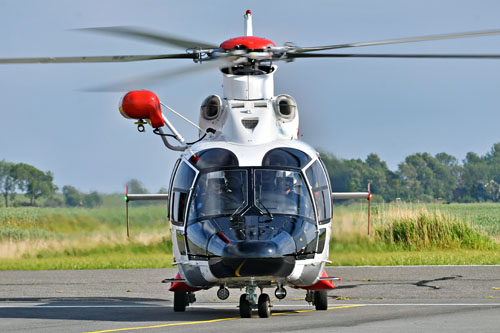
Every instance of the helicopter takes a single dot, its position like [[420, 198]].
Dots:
[[249, 203]]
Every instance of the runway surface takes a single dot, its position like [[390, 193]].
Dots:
[[368, 299]]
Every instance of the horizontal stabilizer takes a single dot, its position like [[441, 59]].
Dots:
[[330, 278], [173, 280], [350, 195], [138, 197]]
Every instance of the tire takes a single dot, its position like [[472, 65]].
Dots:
[[245, 307], [264, 306], [321, 299], [180, 300]]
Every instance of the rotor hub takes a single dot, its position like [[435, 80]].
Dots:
[[247, 42]]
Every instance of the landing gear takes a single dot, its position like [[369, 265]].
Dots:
[[245, 307], [248, 302], [318, 298], [183, 299], [264, 306], [321, 300], [180, 298]]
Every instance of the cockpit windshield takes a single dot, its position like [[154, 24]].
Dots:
[[282, 192], [226, 193], [219, 193]]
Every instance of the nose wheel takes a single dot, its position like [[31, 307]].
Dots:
[[245, 307], [263, 306]]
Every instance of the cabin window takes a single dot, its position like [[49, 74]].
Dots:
[[321, 240], [179, 204], [172, 185], [182, 184], [286, 157], [321, 192]]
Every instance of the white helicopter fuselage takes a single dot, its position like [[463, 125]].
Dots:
[[249, 122]]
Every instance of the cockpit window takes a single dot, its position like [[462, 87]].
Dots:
[[216, 157], [286, 157], [184, 177], [282, 192], [319, 183], [219, 193], [183, 181]]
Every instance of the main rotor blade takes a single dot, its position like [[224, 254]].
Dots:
[[402, 40], [63, 60], [361, 55], [157, 37], [139, 82]]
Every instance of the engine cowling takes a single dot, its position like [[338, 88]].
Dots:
[[142, 104]]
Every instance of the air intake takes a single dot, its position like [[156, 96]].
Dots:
[[250, 123], [211, 107], [286, 108]]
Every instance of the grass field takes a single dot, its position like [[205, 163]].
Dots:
[[79, 238], [401, 234], [416, 234]]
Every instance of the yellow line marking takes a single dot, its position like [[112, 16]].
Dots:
[[216, 320], [237, 272], [166, 325]]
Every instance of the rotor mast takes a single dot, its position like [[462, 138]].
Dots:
[[248, 23]]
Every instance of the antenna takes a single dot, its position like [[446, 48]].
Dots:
[[248, 23]]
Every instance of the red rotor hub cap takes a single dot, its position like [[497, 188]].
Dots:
[[250, 42]]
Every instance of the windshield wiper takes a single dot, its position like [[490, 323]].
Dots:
[[268, 213], [236, 213]]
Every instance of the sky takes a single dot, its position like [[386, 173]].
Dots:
[[348, 107]]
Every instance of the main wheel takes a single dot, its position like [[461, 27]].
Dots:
[[180, 300], [245, 307], [321, 300], [264, 306]]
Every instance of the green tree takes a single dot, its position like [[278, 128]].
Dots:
[[382, 179], [354, 175], [473, 179], [8, 181], [34, 182], [135, 186], [72, 197], [93, 199]]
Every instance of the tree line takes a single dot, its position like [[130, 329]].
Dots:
[[16, 178], [22, 178], [421, 177], [25, 178]]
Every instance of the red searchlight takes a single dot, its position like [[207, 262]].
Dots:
[[142, 104]]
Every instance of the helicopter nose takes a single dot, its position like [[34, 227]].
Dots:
[[280, 245], [251, 249], [253, 258]]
